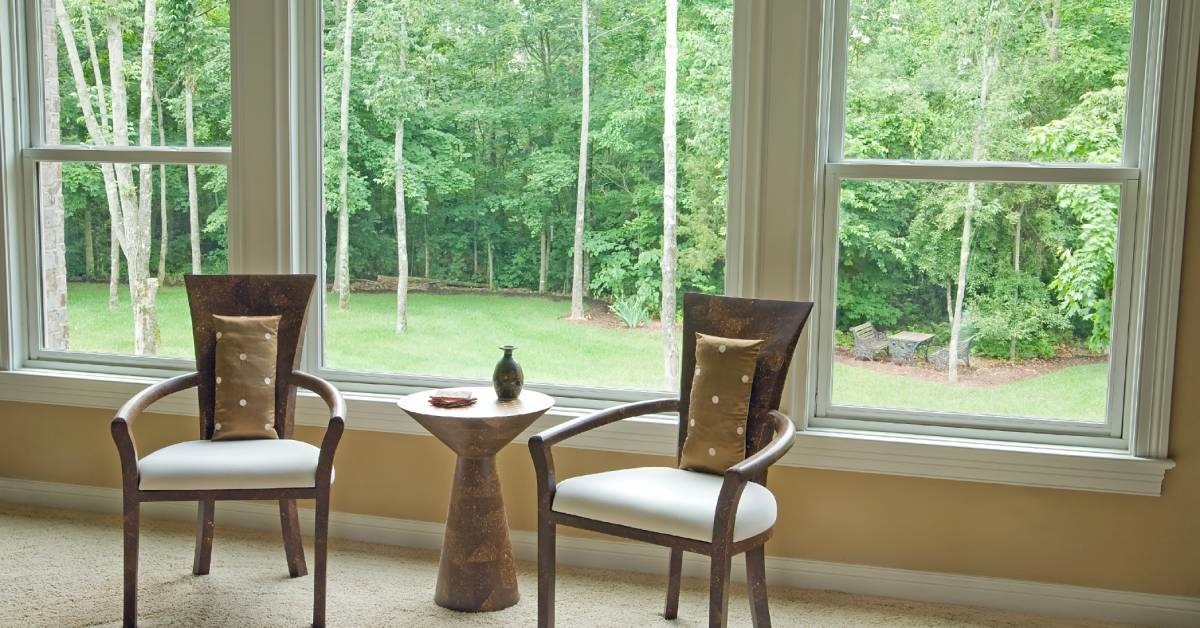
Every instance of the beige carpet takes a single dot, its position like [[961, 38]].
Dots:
[[63, 568]]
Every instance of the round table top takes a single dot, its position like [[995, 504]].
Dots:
[[486, 405]]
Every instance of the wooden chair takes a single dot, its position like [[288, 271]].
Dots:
[[868, 341], [200, 471], [718, 516]]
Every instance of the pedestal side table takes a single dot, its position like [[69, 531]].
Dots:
[[476, 572]]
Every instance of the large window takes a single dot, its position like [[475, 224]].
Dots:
[[462, 211], [130, 131], [981, 191]]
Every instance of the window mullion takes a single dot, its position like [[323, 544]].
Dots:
[[999, 172], [200, 155]]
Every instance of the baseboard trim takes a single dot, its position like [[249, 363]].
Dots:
[[1001, 593]]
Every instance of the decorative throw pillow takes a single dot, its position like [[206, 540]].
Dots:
[[720, 403], [247, 348]]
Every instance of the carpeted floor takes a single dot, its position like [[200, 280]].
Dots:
[[63, 568]]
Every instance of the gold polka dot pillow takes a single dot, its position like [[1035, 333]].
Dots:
[[247, 348], [720, 403]]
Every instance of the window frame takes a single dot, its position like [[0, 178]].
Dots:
[[32, 151], [781, 174], [1147, 95]]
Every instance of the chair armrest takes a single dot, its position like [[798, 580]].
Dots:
[[126, 447], [753, 468], [539, 444], [337, 420], [582, 424]]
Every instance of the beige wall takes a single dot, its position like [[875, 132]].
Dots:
[[1114, 541]]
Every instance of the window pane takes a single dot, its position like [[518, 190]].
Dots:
[[994, 80], [1036, 303], [483, 101], [188, 104], [83, 308]]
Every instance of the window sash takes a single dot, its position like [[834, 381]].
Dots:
[[307, 62], [836, 60], [1130, 254]]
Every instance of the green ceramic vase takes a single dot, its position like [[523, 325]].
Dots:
[[508, 378]]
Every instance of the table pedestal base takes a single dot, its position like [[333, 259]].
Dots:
[[476, 571]]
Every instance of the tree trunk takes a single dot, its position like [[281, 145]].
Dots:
[[114, 267], [95, 63], [162, 197], [132, 222], [543, 261], [425, 243], [189, 122], [491, 278], [54, 262], [89, 244], [581, 188], [1012, 341], [143, 288], [401, 235], [989, 62], [1051, 21], [341, 264], [667, 311], [99, 135]]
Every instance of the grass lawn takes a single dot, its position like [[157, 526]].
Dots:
[[449, 334], [457, 335], [1074, 392]]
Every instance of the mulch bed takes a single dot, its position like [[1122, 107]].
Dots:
[[983, 371]]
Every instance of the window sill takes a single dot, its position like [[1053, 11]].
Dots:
[[839, 450]]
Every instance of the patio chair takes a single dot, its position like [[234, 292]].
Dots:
[[941, 357], [868, 341]]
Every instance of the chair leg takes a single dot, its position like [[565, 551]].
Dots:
[[204, 536], [132, 512], [756, 582], [674, 575], [289, 520], [546, 562], [320, 547], [718, 588]]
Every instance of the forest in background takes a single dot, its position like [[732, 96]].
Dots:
[[484, 103]]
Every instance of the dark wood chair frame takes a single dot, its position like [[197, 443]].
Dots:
[[769, 436], [236, 295]]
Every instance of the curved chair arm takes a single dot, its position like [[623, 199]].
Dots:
[[133, 408], [753, 469], [337, 420], [539, 444]]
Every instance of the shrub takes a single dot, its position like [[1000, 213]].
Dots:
[[631, 310]]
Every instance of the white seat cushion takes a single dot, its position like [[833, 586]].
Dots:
[[206, 464], [662, 499]]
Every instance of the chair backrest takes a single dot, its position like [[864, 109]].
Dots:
[[964, 346], [778, 323], [249, 295], [866, 331]]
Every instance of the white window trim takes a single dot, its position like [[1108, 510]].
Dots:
[[928, 457], [1142, 412]]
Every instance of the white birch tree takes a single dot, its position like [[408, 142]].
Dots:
[[581, 189], [55, 327], [341, 264], [670, 252], [989, 64]]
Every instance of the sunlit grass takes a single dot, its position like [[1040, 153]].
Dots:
[[458, 334]]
